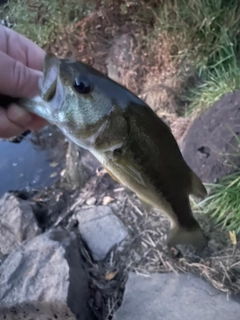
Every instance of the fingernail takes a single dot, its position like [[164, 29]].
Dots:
[[19, 116]]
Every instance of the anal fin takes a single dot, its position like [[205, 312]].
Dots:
[[180, 236], [145, 205], [197, 188]]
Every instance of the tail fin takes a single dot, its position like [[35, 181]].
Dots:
[[197, 189], [194, 237]]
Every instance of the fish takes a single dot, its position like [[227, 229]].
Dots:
[[133, 144]]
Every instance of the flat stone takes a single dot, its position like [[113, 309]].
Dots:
[[100, 229], [17, 223], [174, 297], [44, 278], [210, 146]]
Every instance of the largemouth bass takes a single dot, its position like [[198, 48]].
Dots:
[[130, 141]]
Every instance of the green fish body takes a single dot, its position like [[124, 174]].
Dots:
[[131, 142]]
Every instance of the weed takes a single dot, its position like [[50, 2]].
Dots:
[[207, 29], [207, 33], [42, 21], [217, 83], [223, 203]]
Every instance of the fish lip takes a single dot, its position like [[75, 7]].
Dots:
[[49, 81], [48, 102]]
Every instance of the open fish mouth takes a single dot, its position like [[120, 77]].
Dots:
[[51, 92], [49, 81]]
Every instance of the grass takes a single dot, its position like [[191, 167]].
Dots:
[[207, 34], [223, 203], [43, 21], [207, 28], [218, 83]]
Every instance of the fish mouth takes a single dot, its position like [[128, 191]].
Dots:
[[49, 82], [51, 91]]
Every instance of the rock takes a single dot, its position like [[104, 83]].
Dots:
[[76, 173], [211, 144], [120, 58], [37, 311], [17, 223], [174, 297], [91, 201], [100, 229], [44, 279]]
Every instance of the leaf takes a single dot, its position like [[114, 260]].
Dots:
[[110, 275], [233, 237], [53, 175], [53, 164], [107, 200]]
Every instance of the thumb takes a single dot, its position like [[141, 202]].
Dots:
[[16, 79]]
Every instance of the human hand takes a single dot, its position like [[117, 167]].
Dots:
[[20, 64]]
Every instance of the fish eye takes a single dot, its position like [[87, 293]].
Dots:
[[82, 85]]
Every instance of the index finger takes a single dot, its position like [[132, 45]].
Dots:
[[16, 79], [21, 49]]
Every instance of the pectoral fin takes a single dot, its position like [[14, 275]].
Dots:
[[131, 172], [111, 134]]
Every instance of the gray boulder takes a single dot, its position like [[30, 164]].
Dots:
[[211, 144], [17, 223], [174, 297], [44, 279], [100, 229]]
